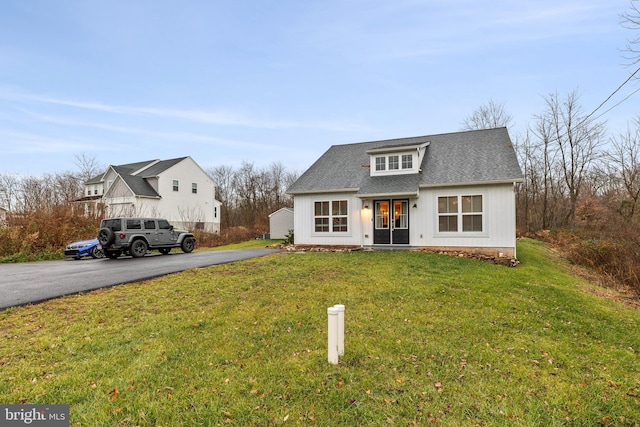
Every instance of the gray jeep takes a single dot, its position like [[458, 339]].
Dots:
[[137, 236]]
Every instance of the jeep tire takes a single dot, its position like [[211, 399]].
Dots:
[[138, 248], [188, 244]]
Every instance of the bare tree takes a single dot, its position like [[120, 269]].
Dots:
[[631, 21], [576, 142], [544, 174], [67, 187], [89, 167], [249, 194], [9, 189], [488, 116], [222, 177], [623, 161]]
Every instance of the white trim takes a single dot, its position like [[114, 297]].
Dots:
[[471, 183], [330, 216], [459, 215], [415, 157]]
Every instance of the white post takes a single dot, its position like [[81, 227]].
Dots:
[[332, 329], [340, 308]]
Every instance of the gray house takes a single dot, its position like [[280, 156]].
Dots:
[[446, 191]]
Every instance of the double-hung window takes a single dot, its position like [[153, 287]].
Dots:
[[175, 185], [394, 163], [448, 213], [331, 216], [460, 213], [471, 213], [407, 161], [381, 163]]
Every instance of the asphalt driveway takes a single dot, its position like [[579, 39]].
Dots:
[[32, 282]]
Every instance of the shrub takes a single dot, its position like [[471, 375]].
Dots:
[[44, 234], [289, 239], [619, 260]]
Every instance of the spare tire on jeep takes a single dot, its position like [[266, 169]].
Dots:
[[106, 236]]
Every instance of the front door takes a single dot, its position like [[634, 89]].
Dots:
[[391, 222]]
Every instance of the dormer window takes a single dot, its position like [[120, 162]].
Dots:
[[394, 164], [396, 159], [407, 161]]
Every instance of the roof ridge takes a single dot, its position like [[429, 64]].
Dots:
[[420, 136]]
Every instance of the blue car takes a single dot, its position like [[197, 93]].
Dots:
[[77, 250]]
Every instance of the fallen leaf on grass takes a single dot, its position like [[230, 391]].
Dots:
[[114, 394]]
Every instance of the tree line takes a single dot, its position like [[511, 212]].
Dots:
[[577, 178], [248, 193], [574, 174]]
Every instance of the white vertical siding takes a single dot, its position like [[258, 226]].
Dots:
[[499, 220], [304, 221], [183, 206], [280, 222]]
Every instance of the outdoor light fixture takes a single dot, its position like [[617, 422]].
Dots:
[[415, 205]]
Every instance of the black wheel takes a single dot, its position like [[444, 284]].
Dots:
[[97, 253], [106, 236], [138, 248], [113, 254], [164, 251], [188, 244]]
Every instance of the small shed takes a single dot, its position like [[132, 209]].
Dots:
[[281, 223]]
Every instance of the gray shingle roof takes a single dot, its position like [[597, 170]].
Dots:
[[138, 183], [160, 167], [481, 156], [139, 186]]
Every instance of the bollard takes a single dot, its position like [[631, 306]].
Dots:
[[340, 308], [332, 340]]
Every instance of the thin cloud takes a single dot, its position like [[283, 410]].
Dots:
[[452, 27], [21, 142], [222, 118], [174, 136]]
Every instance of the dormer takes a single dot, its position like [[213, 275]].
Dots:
[[396, 159]]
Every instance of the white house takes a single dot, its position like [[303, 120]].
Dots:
[[446, 191], [280, 223], [176, 189]]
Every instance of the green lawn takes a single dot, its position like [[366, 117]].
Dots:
[[250, 244], [429, 339]]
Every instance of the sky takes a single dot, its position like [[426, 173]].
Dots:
[[235, 81]]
